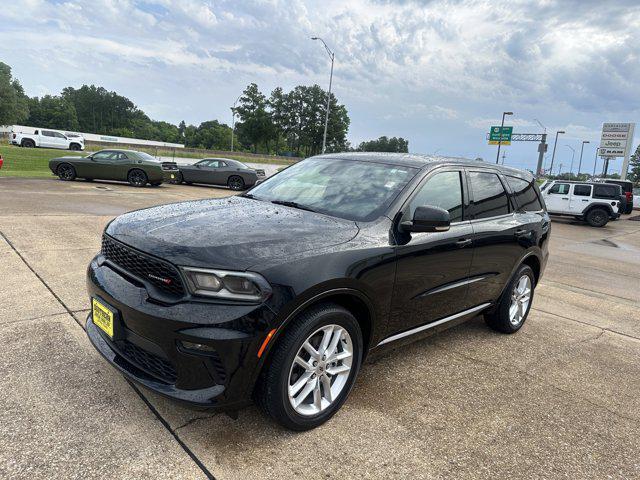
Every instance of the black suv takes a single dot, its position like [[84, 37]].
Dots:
[[279, 294]]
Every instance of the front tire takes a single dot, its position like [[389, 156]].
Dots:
[[512, 310], [597, 217], [28, 144], [312, 368], [235, 183], [66, 172], [75, 147], [137, 178]]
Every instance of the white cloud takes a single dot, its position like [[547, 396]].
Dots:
[[412, 66]]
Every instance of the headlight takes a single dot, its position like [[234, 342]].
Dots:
[[229, 285]]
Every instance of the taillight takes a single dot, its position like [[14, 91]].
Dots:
[[629, 195], [14, 135]]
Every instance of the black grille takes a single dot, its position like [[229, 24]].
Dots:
[[162, 275], [149, 362]]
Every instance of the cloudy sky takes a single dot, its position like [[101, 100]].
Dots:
[[436, 72]]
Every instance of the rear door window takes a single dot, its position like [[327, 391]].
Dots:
[[489, 196], [582, 190], [525, 194]]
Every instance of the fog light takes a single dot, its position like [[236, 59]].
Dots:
[[200, 347]]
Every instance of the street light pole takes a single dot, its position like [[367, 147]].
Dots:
[[233, 119], [553, 155], [581, 150], [595, 163], [573, 154], [500, 139], [326, 116]]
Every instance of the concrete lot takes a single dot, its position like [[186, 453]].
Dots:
[[561, 399]]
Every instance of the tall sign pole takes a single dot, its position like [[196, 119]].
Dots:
[[627, 154], [542, 149]]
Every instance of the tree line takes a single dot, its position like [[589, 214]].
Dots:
[[290, 123]]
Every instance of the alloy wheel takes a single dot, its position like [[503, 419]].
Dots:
[[65, 172], [520, 298], [138, 178], [320, 370]]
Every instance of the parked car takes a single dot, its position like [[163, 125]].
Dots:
[[636, 197], [220, 171], [137, 168], [280, 293], [592, 202], [47, 139], [627, 189]]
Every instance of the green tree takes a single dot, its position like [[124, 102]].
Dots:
[[255, 127], [634, 163], [385, 144], [14, 108], [52, 112]]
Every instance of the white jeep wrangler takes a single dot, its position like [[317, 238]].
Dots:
[[595, 203]]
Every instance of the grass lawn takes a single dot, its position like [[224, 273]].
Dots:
[[29, 162], [34, 162]]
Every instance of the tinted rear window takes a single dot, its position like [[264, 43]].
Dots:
[[525, 194], [606, 191], [489, 196]]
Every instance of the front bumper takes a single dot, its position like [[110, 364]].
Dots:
[[152, 343]]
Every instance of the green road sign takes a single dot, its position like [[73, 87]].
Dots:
[[497, 132]]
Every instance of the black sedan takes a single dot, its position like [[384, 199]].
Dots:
[[220, 171]]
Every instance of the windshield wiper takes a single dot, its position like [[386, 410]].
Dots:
[[287, 203]]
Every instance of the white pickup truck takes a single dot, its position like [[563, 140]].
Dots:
[[48, 139]]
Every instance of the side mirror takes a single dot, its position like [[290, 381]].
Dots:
[[428, 219]]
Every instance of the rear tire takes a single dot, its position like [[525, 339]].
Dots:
[[137, 178], [514, 305], [321, 383], [597, 217], [235, 183], [66, 172]]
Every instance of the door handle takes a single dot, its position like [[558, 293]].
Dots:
[[565, 198], [463, 242], [585, 199]]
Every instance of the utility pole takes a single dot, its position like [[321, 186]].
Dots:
[[553, 156], [595, 163], [500, 139], [233, 119], [326, 117], [504, 155], [581, 150]]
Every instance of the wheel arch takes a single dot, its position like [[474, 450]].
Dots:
[[604, 205], [351, 299]]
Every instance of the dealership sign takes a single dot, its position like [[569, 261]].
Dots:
[[616, 141]]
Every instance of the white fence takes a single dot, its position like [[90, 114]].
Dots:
[[92, 137]]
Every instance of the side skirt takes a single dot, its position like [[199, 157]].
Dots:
[[428, 326]]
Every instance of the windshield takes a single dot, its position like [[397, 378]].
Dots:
[[146, 156], [348, 189]]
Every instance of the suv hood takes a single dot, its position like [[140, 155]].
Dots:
[[232, 233]]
